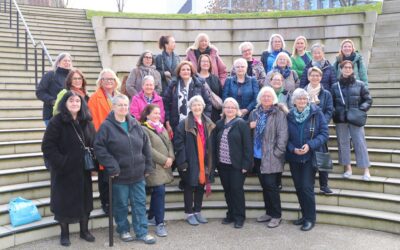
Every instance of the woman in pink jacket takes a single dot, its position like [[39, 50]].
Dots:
[[201, 46], [146, 96]]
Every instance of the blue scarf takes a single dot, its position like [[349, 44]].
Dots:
[[302, 116], [284, 72], [261, 124]]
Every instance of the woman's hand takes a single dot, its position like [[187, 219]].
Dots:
[[303, 150], [244, 171], [168, 163], [252, 124], [167, 74]]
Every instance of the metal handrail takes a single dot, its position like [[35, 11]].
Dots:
[[28, 34]]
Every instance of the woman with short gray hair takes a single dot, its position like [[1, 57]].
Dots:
[[308, 133], [193, 157]]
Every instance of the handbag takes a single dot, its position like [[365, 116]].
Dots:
[[321, 161], [216, 101], [22, 211], [354, 116], [88, 156]]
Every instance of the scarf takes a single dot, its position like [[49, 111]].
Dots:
[[201, 145], [80, 92], [347, 80], [313, 92], [284, 71], [183, 98], [302, 116], [249, 68], [108, 97], [280, 91], [261, 124], [350, 58], [197, 52], [157, 126], [318, 64]]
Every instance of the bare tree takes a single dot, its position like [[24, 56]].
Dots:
[[120, 5], [345, 3]]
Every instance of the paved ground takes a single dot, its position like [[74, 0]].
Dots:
[[252, 236]]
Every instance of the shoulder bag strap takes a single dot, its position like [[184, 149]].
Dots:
[[79, 137]]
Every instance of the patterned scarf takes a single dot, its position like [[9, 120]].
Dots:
[[302, 116], [261, 124], [157, 126], [313, 92], [183, 99], [285, 72]]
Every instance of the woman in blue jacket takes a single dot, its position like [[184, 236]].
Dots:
[[242, 88], [308, 132]]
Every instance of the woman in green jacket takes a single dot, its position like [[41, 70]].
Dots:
[[300, 56]]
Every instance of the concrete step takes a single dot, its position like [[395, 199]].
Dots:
[[383, 119], [16, 122], [78, 57], [28, 74], [51, 40], [23, 112], [390, 7], [16, 93], [373, 142], [21, 160], [52, 47], [384, 109], [24, 175], [21, 50], [78, 61], [64, 32], [387, 92], [377, 85], [376, 130], [385, 100], [21, 147], [29, 11], [13, 102], [21, 134]]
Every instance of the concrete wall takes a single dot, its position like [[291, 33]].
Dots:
[[122, 40]]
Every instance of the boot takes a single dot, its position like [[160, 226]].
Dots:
[[84, 231], [64, 238]]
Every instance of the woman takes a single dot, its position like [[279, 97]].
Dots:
[[283, 65], [75, 82], [100, 104], [322, 98], [71, 185], [350, 93], [269, 124], [147, 96], [319, 60], [308, 132], [167, 61], [52, 83], [348, 52], [202, 45], [145, 66], [276, 45], [276, 82], [242, 88], [193, 157], [300, 56], [163, 156], [254, 67], [123, 148], [179, 93], [232, 156], [205, 72]]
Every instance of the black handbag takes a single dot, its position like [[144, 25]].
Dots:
[[354, 116], [88, 156], [321, 161]]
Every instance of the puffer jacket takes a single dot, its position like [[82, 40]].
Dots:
[[360, 71]]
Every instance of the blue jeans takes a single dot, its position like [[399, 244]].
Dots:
[[136, 195], [157, 204]]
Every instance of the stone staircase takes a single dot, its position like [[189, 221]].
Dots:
[[372, 205]]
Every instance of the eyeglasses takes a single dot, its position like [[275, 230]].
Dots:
[[348, 67], [245, 51], [276, 80], [76, 78], [148, 57], [121, 105], [240, 66], [230, 108], [108, 79]]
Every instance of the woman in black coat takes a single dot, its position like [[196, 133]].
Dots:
[[71, 185], [232, 155], [52, 83]]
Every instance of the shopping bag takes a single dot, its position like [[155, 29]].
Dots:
[[23, 211]]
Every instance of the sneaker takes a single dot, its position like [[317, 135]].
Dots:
[[161, 231], [347, 174], [325, 190], [200, 218], [191, 219], [151, 222], [126, 237], [274, 222], [264, 218], [366, 177], [147, 239]]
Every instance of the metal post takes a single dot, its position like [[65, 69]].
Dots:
[[17, 29], [26, 50], [110, 213], [36, 67], [42, 61], [5, 6], [10, 14]]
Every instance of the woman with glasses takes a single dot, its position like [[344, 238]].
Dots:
[[100, 104], [283, 65], [145, 66], [242, 88]]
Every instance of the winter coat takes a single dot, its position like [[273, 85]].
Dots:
[[328, 76], [240, 145], [50, 85], [300, 134], [99, 107], [355, 95], [135, 78], [161, 148], [127, 155], [60, 95], [186, 152], [325, 103], [264, 59], [162, 66], [290, 83], [249, 91], [218, 66], [360, 71], [139, 102], [196, 87], [274, 140], [71, 185], [258, 72], [298, 64]]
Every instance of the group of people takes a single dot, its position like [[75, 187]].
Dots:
[[190, 115]]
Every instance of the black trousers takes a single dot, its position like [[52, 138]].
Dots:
[[271, 193], [323, 178], [232, 181], [102, 183], [303, 175], [192, 196]]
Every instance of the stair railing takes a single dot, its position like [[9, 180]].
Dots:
[[45, 52]]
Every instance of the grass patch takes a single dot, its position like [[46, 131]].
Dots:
[[377, 7]]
